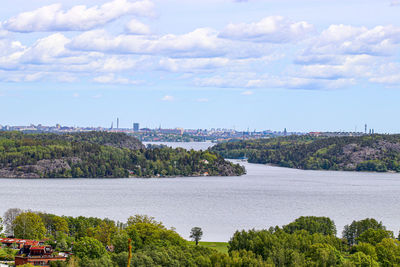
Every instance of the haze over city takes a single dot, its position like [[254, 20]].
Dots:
[[302, 65]]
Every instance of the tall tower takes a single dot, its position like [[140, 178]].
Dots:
[[117, 123], [365, 128], [285, 132]]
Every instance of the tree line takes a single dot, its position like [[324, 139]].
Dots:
[[100, 154], [307, 241], [379, 153]]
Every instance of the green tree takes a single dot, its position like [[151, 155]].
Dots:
[[89, 248], [359, 259], [374, 236], [356, 228], [312, 224], [29, 225], [195, 234], [1, 225]]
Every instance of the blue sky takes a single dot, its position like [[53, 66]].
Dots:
[[304, 65]]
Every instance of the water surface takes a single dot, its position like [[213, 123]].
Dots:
[[266, 196]]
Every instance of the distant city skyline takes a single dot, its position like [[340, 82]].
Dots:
[[303, 65]]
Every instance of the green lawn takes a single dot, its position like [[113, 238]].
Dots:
[[220, 246]]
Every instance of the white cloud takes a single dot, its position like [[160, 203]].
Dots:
[[192, 64], [46, 50], [3, 32], [274, 29], [349, 40], [75, 95], [168, 98], [136, 27], [198, 43], [78, 18], [113, 79]]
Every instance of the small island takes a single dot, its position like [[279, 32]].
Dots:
[[102, 155], [376, 153]]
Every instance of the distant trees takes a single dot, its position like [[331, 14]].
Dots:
[[29, 225], [1, 225], [101, 154], [89, 248], [195, 234], [353, 231], [307, 241], [377, 153], [312, 224], [8, 220]]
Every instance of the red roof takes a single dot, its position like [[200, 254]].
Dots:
[[38, 248], [19, 241]]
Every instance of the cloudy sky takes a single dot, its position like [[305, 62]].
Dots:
[[306, 65]]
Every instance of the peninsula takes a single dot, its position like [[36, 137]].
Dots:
[[378, 153], [102, 155]]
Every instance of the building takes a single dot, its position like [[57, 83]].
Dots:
[[136, 127], [17, 243], [37, 256]]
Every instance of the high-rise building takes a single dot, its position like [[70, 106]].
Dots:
[[365, 128], [117, 123], [285, 132], [136, 127]]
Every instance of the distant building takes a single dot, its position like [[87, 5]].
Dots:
[[136, 127], [37, 256]]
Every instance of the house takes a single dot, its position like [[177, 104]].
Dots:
[[17, 243], [37, 256]]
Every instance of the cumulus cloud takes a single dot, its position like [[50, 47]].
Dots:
[[192, 64], [201, 42], [136, 27], [78, 18], [113, 79], [349, 40], [46, 50], [274, 29]]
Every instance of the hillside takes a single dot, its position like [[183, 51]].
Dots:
[[379, 153], [101, 155]]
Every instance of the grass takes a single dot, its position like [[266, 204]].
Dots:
[[219, 246]]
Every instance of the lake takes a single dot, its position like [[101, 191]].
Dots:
[[266, 196]]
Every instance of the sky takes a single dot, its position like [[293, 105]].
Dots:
[[304, 65]]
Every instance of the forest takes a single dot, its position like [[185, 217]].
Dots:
[[102, 155], [307, 241], [378, 153]]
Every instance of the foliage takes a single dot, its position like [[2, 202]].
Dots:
[[195, 234], [312, 224], [101, 154], [7, 254], [307, 241], [289, 249], [353, 231], [89, 248], [8, 220], [378, 153], [29, 225]]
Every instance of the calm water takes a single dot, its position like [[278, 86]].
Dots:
[[266, 196]]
